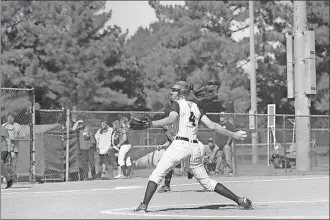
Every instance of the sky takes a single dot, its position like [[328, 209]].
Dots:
[[133, 14]]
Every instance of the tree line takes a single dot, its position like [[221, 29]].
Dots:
[[67, 53]]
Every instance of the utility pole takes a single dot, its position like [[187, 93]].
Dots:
[[0, 64], [253, 88], [302, 102]]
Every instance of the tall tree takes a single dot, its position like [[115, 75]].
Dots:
[[274, 19], [59, 48], [193, 42]]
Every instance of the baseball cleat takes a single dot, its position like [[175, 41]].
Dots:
[[164, 188], [245, 203], [142, 207], [190, 175]]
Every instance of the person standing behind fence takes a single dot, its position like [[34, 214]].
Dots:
[[124, 147], [103, 145], [225, 143], [6, 149], [87, 145], [15, 132], [114, 142]]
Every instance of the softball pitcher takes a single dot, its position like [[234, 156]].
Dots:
[[189, 115], [170, 136], [170, 132]]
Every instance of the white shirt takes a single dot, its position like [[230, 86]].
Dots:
[[103, 140], [189, 117]]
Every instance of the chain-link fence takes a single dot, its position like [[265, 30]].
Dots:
[[275, 147], [144, 141], [17, 116], [50, 144]]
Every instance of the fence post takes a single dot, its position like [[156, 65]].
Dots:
[[32, 137], [284, 137], [67, 159], [148, 137], [63, 122], [234, 159]]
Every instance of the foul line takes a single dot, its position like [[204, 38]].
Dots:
[[142, 187], [120, 211]]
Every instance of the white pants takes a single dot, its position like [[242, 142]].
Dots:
[[179, 151], [122, 159]]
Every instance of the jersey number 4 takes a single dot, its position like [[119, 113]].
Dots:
[[192, 118]]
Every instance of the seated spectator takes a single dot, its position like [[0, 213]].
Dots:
[[103, 146], [213, 159]]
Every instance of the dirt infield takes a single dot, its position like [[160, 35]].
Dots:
[[272, 197]]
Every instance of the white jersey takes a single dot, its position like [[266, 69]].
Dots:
[[189, 116]]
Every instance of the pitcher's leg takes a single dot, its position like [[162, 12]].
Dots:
[[174, 154], [202, 177], [168, 178], [212, 185]]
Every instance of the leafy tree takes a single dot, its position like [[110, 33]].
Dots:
[[275, 19], [198, 37], [190, 45], [58, 48], [318, 20]]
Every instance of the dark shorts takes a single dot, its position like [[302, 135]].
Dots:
[[104, 158]]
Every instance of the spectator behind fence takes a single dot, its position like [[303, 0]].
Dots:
[[103, 145], [124, 147], [87, 145], [15, 132], [114, 142], [225, 143], [213, 159], [6, 149]]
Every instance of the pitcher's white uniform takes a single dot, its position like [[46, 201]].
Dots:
[[185, 145], [171, 133]]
